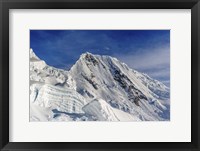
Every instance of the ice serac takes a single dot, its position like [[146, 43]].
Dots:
[[52, 92], [122, 88], [96, 88]]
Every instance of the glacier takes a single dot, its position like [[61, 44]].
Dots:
[[96, 88]]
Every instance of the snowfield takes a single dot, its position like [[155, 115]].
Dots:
[[96, 88], [104, 112]]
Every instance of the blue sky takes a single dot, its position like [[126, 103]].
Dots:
[[144, 50]]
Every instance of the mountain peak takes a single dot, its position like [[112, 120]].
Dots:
[[89, 57], [85, 54], [33, 55]]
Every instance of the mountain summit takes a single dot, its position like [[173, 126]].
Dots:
[[97, 88]]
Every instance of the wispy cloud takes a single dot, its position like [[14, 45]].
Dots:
[[160, 72], [155, 62], [149, 59], [166, 82]]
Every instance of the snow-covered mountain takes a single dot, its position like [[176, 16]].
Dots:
[[96, 88]]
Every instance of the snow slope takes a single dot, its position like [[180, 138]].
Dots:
[[41, 72], [97, 88], [104, 112]]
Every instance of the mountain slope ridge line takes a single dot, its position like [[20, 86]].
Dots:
[[118, 92]]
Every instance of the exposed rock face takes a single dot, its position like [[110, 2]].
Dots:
[[123, 88]]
